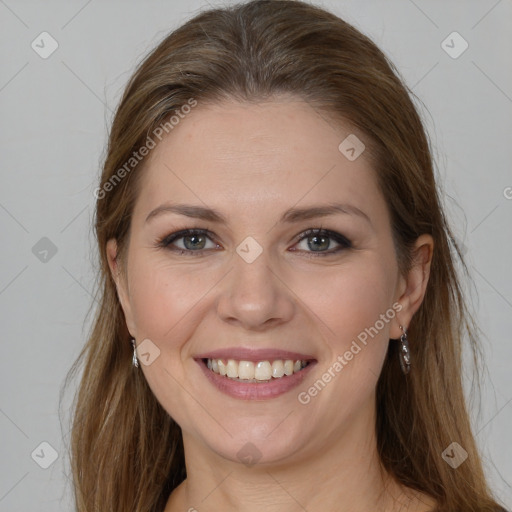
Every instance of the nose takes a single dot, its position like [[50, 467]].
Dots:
[[254, 295]]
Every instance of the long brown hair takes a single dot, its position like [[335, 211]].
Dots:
[[126, 451]]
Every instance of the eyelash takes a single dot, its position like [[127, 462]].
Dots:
[[344, 242]]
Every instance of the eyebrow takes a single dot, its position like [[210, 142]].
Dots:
[[289, 216]]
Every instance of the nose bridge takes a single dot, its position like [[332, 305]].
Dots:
[[252, 272], [254, 294]]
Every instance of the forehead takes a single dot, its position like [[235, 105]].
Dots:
[[251, 159]]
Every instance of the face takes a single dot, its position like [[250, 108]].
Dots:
[[253, 283]]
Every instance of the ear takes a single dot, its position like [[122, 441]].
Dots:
[[121, 285], [411, 288]]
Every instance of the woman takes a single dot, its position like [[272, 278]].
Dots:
[[281, 316]]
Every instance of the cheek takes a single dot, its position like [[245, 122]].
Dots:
[[353, 310], [350, 300], [164, 298], [167, 304]]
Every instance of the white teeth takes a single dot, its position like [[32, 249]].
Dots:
[[277, 369], [222, 367], [232, 368], [246, 370], [255, 372], [263, 371]]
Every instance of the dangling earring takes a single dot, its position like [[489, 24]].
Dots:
[[135, 361], [404, 354]]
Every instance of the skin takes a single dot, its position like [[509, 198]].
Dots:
[[251, 162]]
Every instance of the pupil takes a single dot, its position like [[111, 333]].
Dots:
[[197, 238], [325, 243]]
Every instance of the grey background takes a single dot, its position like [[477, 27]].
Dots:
[[54, 116]]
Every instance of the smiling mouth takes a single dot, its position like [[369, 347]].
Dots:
[[255, 372]]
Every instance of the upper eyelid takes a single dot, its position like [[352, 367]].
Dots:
[[181, 233]]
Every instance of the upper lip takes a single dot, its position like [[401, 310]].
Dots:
[[249, 354]]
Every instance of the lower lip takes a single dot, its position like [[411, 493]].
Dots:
[[253, 390]]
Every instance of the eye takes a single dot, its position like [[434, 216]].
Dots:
[[188, 241], [318, 240], [194, 242]]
